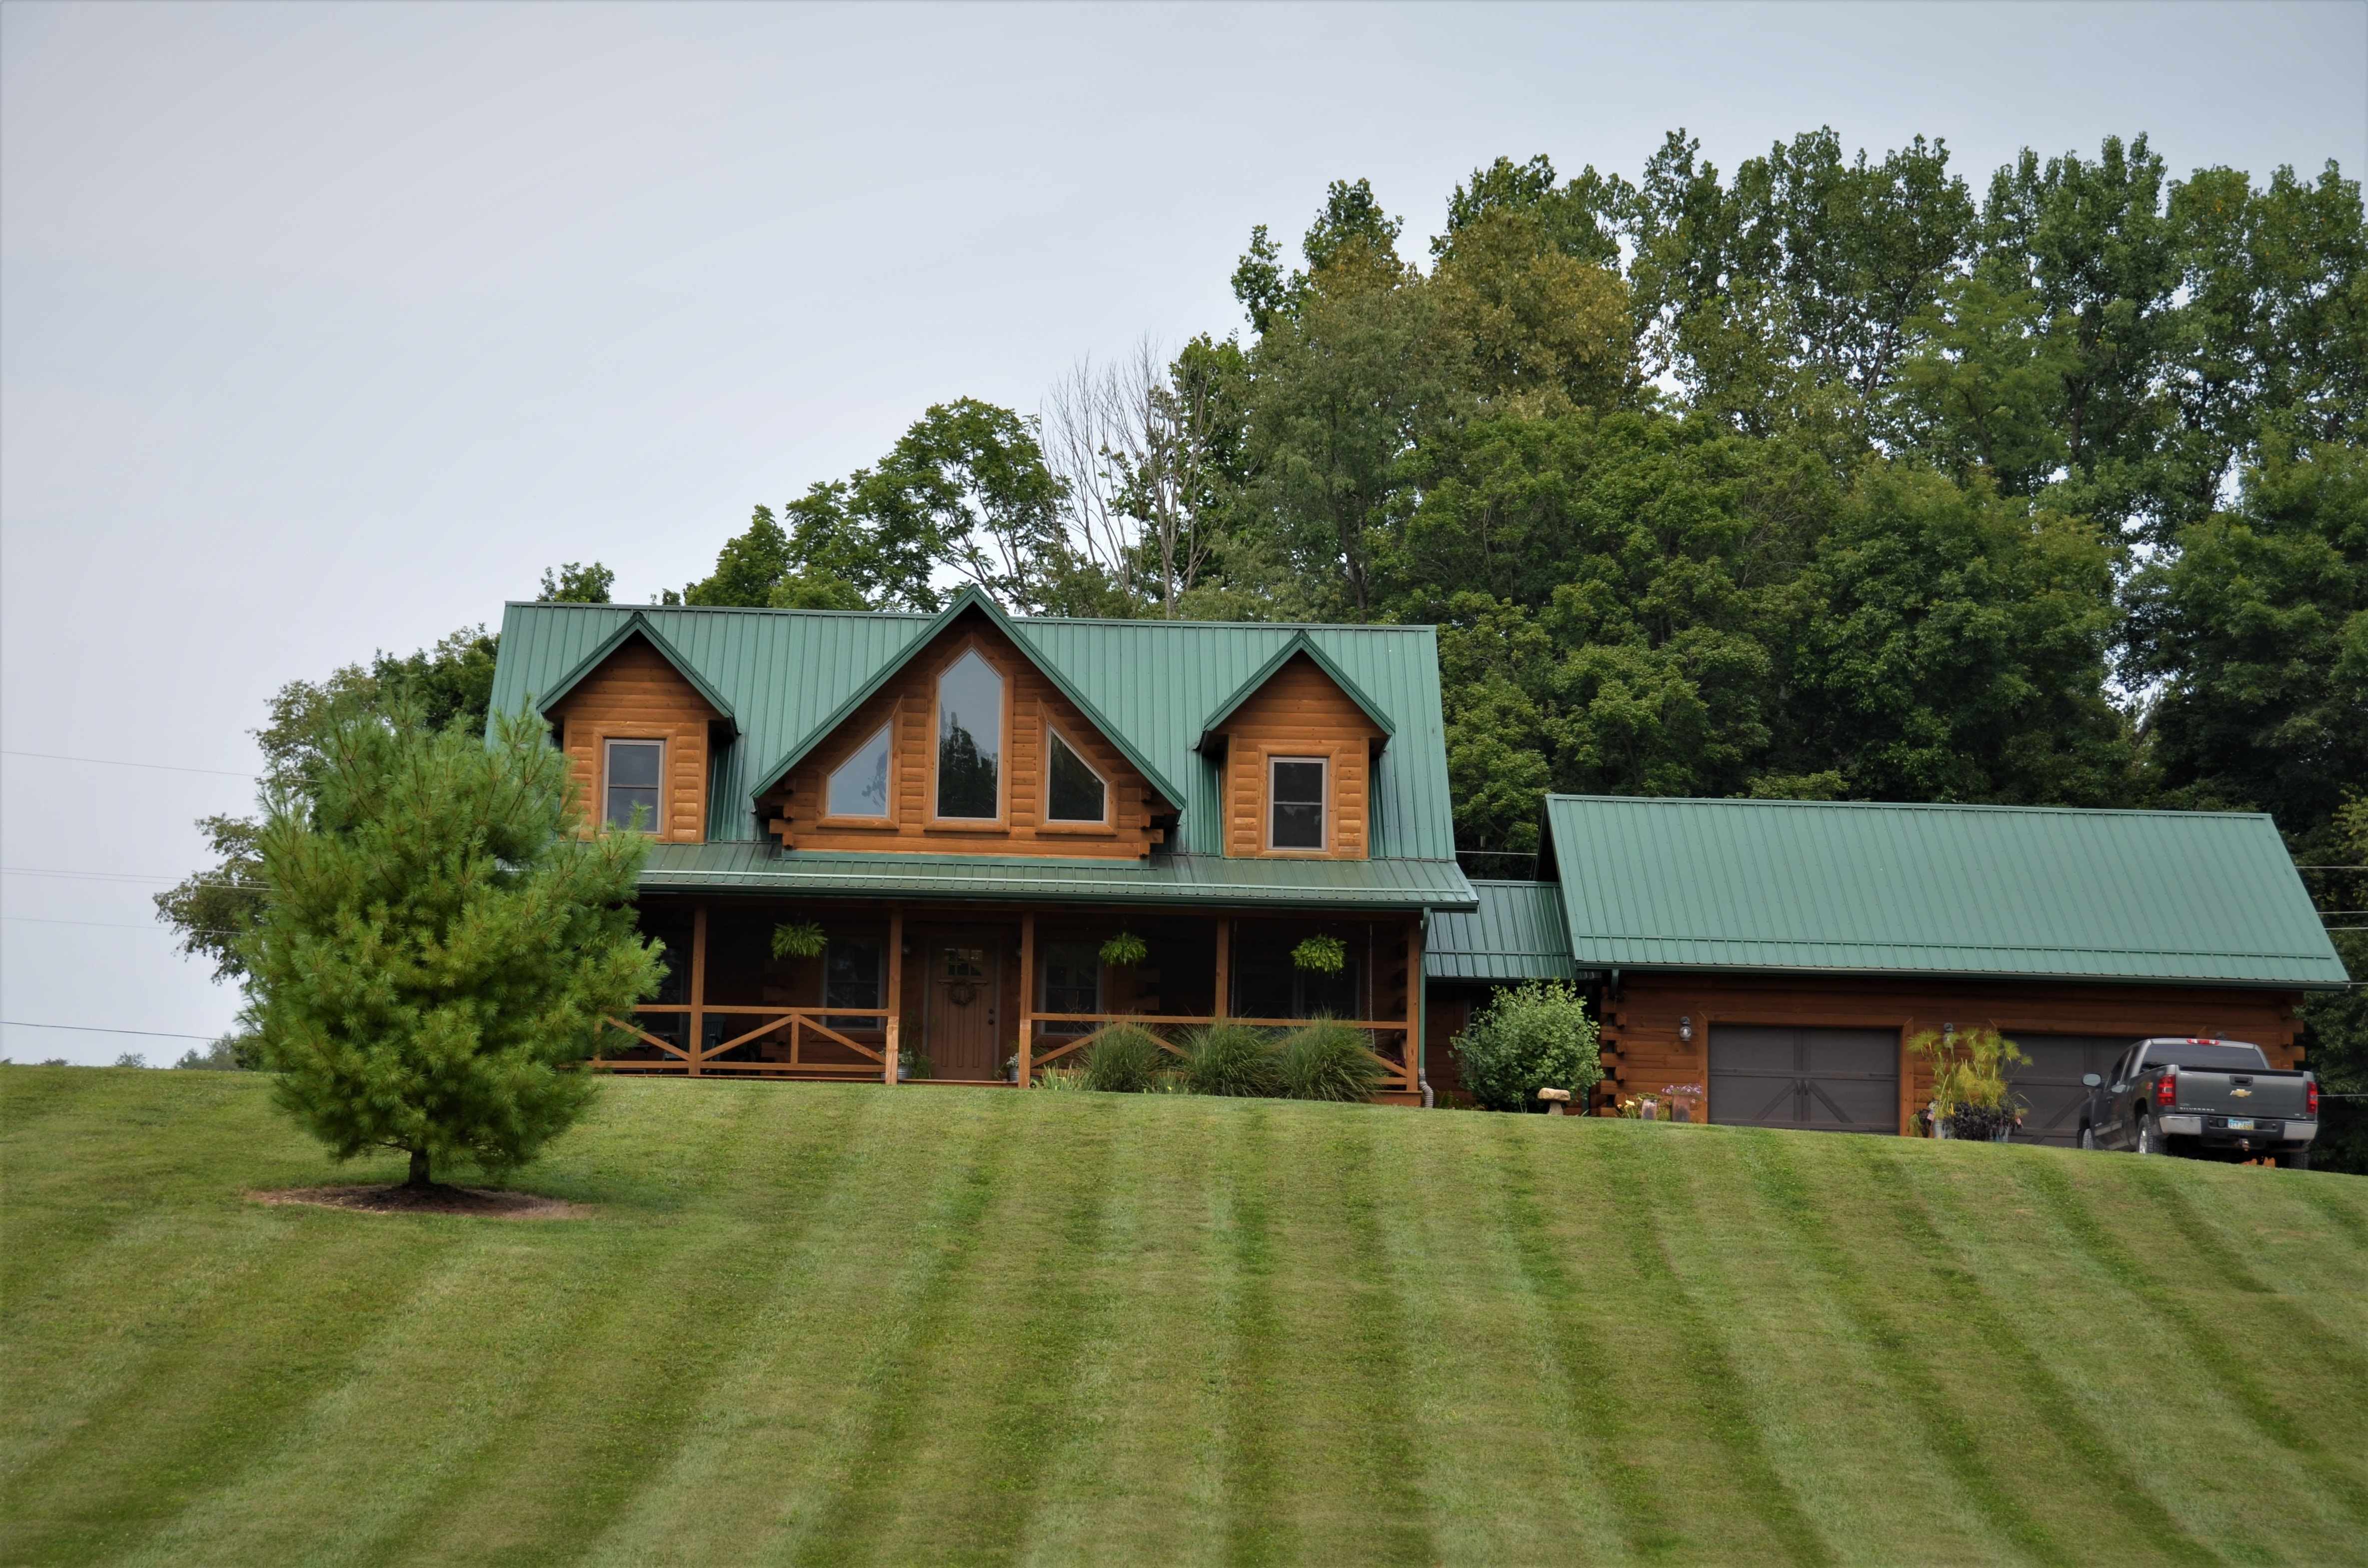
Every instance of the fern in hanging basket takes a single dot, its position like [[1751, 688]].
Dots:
[[1125, 951], [1323, 955], [797, 939]]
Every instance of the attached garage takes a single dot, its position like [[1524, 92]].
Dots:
[[1819, 1079], [1781, 953]]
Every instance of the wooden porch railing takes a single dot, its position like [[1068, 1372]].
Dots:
[[696, 1059]]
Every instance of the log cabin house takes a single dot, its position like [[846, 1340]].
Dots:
[[969, 806], [1780, 954]]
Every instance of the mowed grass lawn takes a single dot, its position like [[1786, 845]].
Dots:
[[823, 1323]]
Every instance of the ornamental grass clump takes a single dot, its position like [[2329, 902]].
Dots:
[[1531, 1036], [1327, 1061], [1969, 1085], [1226, 1058], [1123, 1061]]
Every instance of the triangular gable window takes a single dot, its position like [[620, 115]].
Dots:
[[1074, 792], [858, 787]]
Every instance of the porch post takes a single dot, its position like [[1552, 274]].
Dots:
[[698, 984], [1027, 996], [895, 989], [1417, 1077], [1225, 1006]]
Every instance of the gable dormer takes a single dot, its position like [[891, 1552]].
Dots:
[[1297, 745], [967, 746], [642, 729]]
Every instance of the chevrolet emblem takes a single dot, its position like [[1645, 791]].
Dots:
[[2241, 1093]]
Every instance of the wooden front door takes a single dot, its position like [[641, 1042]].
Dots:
[[965, 976]]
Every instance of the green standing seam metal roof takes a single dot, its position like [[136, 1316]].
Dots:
[[636, 625], [1516, 932], [1301, 644], [788, 677], [2176, 897], [1172, 881]]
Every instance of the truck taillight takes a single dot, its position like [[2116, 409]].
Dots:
[[2165, 1088], [2310, 1100]]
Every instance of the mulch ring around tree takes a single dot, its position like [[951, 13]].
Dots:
[[477, 1202]]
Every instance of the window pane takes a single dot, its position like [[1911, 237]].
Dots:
[[969, 739], [1078, 791], [623, 805], [851, 979], [1073, 983], [1298, 794], [635, 764], [858, 787]]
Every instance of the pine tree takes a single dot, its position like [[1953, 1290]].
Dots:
[[440, 943]]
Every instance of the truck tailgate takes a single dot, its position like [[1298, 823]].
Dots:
[[2261, 1093]]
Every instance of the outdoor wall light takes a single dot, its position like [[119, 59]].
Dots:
[[1686, 1029]]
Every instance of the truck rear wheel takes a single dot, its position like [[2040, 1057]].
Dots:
[[2148, 1140], [2297, 1161]]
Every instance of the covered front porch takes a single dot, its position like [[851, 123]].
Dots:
[[994, 993]]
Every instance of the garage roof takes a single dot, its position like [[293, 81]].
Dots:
[[2194, 897]]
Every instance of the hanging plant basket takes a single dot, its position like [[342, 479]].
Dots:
[[798, 939], [1320, 955], [1125, 951]]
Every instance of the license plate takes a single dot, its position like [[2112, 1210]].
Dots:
[[2240, 1124]]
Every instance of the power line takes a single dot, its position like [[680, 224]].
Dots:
[[121, 926], [85, 1028], [123, 876], [110, 762]]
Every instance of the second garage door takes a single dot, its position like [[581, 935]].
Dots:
[[2050, 1086], [1823, 1080]]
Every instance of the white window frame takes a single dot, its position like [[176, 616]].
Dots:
[[608, 744], [1053, 733], [888, 803], [1322, 806]]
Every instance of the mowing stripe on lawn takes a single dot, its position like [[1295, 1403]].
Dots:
[[1577, 1353], [1780, 1186], [2320, 1195], [1971, 1304], [2206, 1349], [214, 1398], [854, 1519], [1392, 1456], [1646, 1195], [1256, 1532], [570, 1457]]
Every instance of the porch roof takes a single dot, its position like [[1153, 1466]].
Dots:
[[1514, 932], [1187, 881]]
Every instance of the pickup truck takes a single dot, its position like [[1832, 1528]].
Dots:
[[2213, 1099]]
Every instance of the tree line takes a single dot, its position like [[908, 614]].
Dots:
[[1829, 476]]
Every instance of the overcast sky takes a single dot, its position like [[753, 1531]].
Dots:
[[324, 329]]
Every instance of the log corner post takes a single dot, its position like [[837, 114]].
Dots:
[[895, 993], [1027, 999], [698, 985]]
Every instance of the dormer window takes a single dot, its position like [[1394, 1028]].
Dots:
[[858, 787], [1074, 792], [634, 768], [1296, 793], [969, 739]]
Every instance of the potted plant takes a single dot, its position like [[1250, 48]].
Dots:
[[798, 939], [1125, 951], [1971, 1099], [1320, 955]]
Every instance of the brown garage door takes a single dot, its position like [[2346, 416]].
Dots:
[[1825, 1080], [2051, 1084]]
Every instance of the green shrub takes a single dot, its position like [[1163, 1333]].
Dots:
[[1531, 1036], [1327, 1061], [1061, 1080], [1232, 1059], [1123, 1061]]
